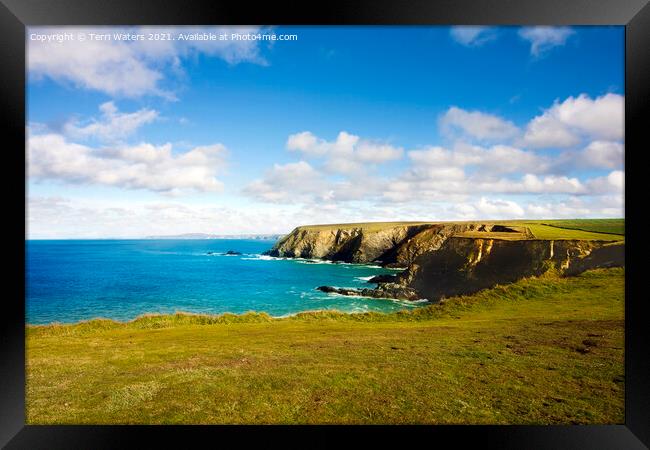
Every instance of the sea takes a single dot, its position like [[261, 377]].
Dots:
[[68, 281]]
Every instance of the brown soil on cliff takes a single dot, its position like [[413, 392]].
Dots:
[[447, 259], [465, 266]]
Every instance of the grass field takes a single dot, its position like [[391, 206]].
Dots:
[[366, 226], [610, 226], [548, 231], [539, 351], [586, 229]]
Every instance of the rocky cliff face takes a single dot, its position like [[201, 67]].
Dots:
[[392, 246], [440, 262], [465, 265]]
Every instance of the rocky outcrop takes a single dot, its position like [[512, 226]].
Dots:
[[428, 240], [383, 278], [443, 260], [353, 244], [387, 290], [466, 265], [609, 255]]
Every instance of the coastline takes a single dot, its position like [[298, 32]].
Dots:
[[522, 353], [122, 280], [228, 317], [431, 310]]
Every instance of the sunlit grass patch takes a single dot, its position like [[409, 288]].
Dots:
[[540, 351]]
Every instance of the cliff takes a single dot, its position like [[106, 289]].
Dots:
[[443, 260], [353, 244], [467, 265], [390, 245]]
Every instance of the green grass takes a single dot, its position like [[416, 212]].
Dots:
[[585, 229], [609, 226], [366, 226], [539, 351], [547, 231]]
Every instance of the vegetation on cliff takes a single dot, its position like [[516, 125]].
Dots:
[[399, 243], [545, 350], [453, 258], [548, 229]]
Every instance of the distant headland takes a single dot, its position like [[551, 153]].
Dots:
[[260, 237]]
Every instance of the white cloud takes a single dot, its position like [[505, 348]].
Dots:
[[289, 183], [566, 124], [550, 184], [435, 174], [477, 124], [498, 208], [111, 67], [343, 171], [572, 207], [548, 131], [440, 156], [563, 208], [506, 159], [472, 36], [129, 68], [613, 183], [143, 166], [453, 184], [603, 154], [348, 154], [498, 159], [300, 182], [377, 153], [113, 124], [544, 38], [56, 217], [439, 178], [307, 143]]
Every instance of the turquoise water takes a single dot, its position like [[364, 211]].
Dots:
[[68, 281]]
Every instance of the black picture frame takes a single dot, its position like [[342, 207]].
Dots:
[[15, 15]]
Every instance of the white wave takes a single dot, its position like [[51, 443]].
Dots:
[[409, 303], [255, 257], [368, 278], [336, 294], [262, 258], [311, 261], [358, 309]]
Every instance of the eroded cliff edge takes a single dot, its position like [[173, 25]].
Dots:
[[443, 260], [391, 246], [467, 265]]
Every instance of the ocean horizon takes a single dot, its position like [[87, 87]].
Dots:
[[71, 280]]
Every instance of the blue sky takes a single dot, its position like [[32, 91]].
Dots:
[[133, 138]]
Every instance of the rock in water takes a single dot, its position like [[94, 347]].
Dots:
[[387, 290], [342, 291], [392, 290], [386, 278]]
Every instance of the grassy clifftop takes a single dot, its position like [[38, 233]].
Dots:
[[585, 229], [542, 350]]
